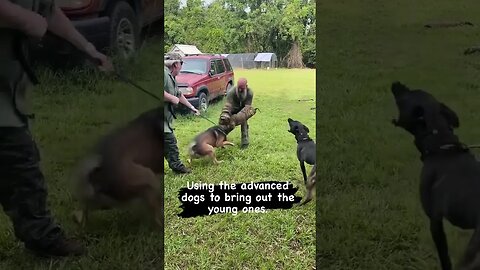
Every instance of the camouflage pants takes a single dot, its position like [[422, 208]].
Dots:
[[171, 151], [244, 131], [23, 192], [243, 127]]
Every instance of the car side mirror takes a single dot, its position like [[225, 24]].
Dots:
[[210, 72]]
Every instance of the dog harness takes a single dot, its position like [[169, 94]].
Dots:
[[221, 131]]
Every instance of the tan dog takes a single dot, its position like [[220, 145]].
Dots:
[[205, 143], [310, 185], [124, 167]]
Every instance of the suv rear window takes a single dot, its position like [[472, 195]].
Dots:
[[227, 64], [220, 66]]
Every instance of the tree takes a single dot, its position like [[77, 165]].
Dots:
[[297, 24], [286, 27]]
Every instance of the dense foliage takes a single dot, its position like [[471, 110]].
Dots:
[[285, 27]]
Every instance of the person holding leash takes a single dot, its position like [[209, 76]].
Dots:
[[239, 107], [23, 192], [172, 96]]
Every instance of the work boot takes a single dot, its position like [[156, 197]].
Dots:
[[244, 132], [181, 170], [61, 248], [172, 155]]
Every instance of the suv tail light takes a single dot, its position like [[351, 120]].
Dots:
[[72, 4]]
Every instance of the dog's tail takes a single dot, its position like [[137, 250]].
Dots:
[[82, 187], [192, 148]]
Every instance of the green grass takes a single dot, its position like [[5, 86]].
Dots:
[[73, 111], [369, 212], [278, 239]]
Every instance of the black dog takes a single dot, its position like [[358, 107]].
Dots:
[[450, 178], [306, 152]]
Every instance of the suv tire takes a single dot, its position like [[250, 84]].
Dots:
[[229, 85], [202, 102], [124, 30]]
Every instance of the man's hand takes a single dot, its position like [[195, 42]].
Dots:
[[195, 111], [105, 64], [187, 104], [62, 27]]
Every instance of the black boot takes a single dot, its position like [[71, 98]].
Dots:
[[172, 155], [61, 248], [181, 170]]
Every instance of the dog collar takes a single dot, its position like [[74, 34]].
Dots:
[[223, 132], [445, 149], [304, 139]]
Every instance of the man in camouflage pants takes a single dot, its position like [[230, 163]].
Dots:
[[23, 192], [239, 108]]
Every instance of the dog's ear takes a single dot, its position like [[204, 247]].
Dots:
[[306, 128], [398, 89], [450, 115]]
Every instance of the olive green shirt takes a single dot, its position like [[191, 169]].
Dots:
[[240, 100], [15, 85], [171, 87]]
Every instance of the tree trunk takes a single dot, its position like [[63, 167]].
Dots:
[[294, 57]]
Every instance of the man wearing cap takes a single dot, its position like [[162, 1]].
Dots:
[[239, 107], [23, 192], [172, 96]]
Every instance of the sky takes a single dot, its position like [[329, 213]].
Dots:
[[184, 2]]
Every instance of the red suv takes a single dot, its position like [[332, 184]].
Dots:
[[204, 78], [109, 24]]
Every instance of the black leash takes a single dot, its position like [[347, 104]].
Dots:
[[207, 119], [127, 80], [474, 146]]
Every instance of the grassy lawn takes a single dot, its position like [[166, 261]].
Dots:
[[369, 211], [278, 239], [72, 111]]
